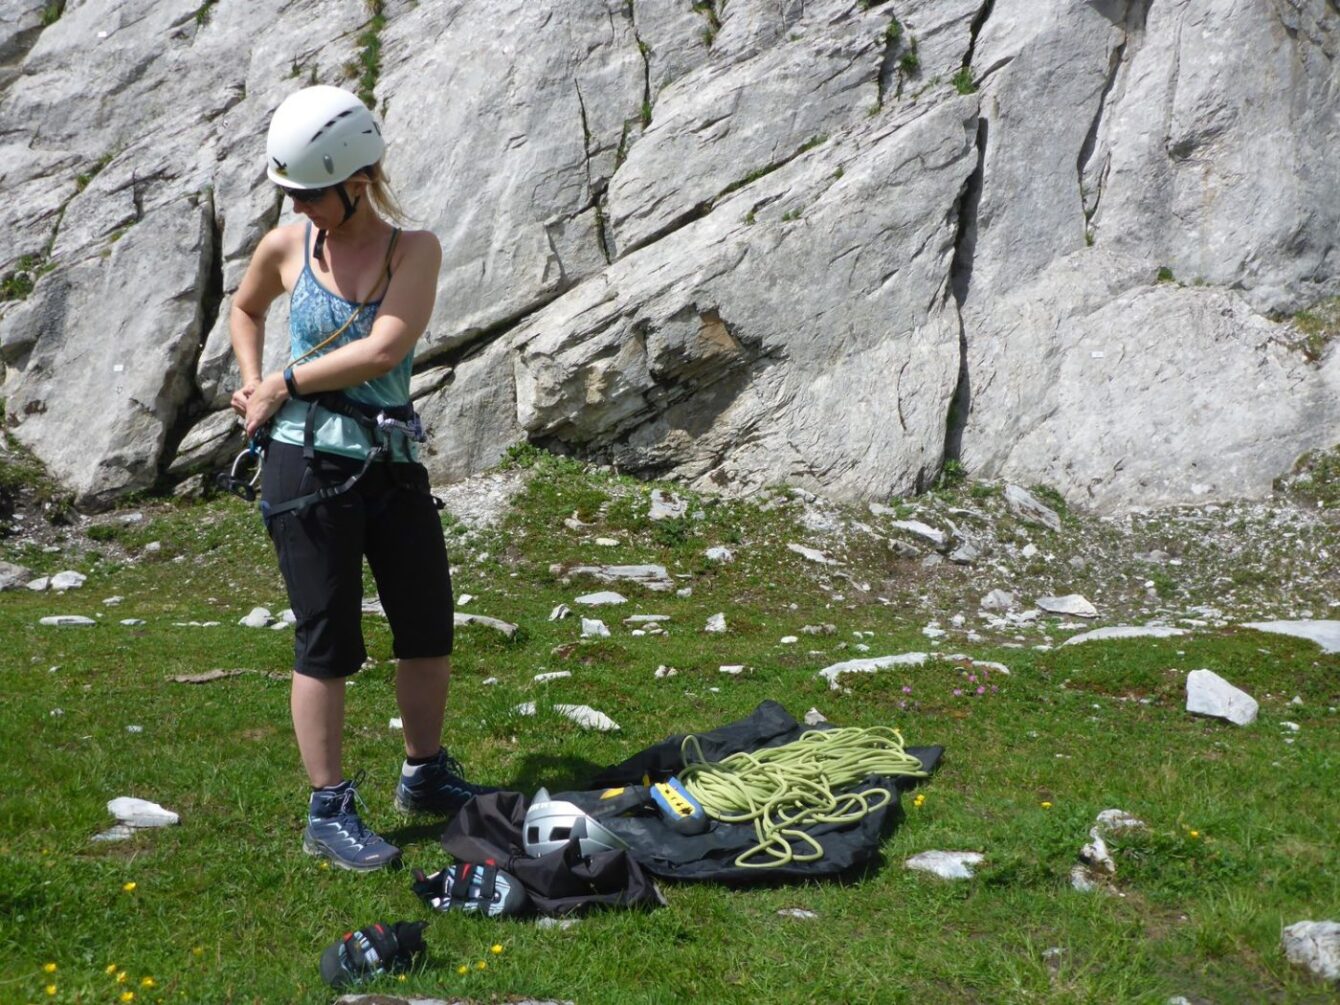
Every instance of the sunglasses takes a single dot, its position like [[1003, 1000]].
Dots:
[[304, 194]]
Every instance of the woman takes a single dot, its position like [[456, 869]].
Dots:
[[341, 479]]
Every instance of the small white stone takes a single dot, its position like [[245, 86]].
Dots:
[[541, 678], [716, 624], [732, 668], [134, 729], [257, 617], [562, 924], [131, 622], [395, 723], [39, 584], [56, 713], [113, 601], [684, 591], [1209, 694], [1071, 604], [720, 554], [607, 542], [602, 598], [665, 671], [1314, 945], [525, 708], [588, 718], [120, 832], [796, 912], [594, 628], [946, 864], [489, 681], [813, 717], [68, 580], [464, 599], [787, 640], [560, 612], [1292, 727], [136, 812], [153, 547]]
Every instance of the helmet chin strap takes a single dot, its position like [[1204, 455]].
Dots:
[[350, 205]]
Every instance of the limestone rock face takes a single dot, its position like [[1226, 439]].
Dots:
[[736, 244]]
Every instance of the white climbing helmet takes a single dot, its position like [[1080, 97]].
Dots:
[[552, 823], [320, 136]]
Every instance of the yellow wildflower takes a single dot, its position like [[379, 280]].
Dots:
[[127, 996], [48, 968], [121, 976], [129, 887], [1046, 805], [51, 990], [402, 978], [462, 969], [197, 950], [1194, 834], [481, 965], [111, 968], [147, 982], [496, 949]]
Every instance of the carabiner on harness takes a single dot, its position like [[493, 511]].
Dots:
[[234, 481], [412, 429]]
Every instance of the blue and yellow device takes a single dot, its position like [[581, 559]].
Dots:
[[678, 808]]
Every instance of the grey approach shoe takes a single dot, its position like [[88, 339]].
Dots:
[[336, 833], [435, 787]]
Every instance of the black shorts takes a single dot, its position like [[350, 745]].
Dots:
[[390, 517]]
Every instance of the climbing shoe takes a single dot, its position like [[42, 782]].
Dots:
[[435, 787], [480, 889], [335, 831], [371, 952]]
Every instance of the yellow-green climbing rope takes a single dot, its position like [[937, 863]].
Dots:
[[783, 789]]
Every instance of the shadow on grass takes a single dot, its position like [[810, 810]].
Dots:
[[555, 772]]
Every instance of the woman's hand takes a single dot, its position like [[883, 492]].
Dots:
[[264, 401], [243, 394]]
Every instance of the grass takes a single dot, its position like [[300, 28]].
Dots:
[[226, 908], [369, 62], [963, 82], [1319, 326]]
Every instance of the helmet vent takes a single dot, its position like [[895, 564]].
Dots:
[[560, 834]]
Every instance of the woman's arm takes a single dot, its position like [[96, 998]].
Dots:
[[262, 283], [401, 319]]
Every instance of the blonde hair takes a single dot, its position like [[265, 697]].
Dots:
[[382, 198]]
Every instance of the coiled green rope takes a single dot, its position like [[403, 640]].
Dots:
[[782, 789]]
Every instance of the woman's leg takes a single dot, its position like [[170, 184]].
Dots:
[[421, 692], [318, 722]]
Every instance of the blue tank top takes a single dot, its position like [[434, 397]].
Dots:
[[315, 313]]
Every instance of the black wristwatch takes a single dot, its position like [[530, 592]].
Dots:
[[289, 383]]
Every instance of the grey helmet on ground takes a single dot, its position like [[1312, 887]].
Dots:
[[552, 823], [320, 136]]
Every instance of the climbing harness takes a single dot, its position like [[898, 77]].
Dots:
[[380, 422], [810, 781]]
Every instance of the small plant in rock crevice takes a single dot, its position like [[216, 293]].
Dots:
[[963, 82]]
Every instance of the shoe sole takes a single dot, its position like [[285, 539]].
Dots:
[[317, 851]]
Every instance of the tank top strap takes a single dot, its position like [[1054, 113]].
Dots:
[[390, 251], [307, 246]]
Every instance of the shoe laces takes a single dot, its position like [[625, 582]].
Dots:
[[348, 809]]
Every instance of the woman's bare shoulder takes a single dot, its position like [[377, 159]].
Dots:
[[420, 246]]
